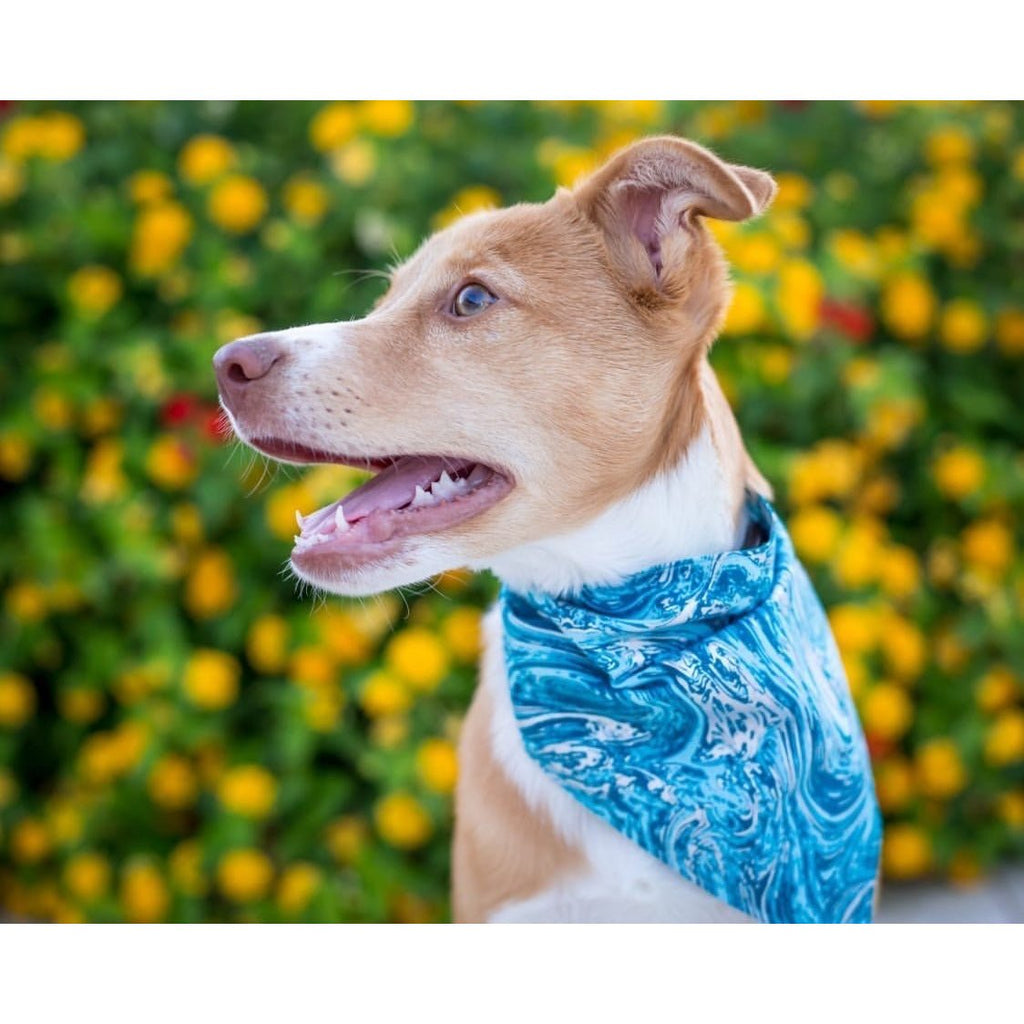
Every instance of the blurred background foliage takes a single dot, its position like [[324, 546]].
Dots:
[[183, 738]]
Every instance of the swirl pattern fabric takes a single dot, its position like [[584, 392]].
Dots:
[[701, 709]]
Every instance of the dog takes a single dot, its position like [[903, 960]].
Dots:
[[662, 730]]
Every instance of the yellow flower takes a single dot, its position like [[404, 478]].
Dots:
[[147, 187], [205, 158], [185, 866], [988, 545], [906, 851], [333, 126], [746, 313], [963, 326], [15, 456], [104, 480], [305, 199], [899, 572], [12, 180], [296, 887], [281, 506], [567, 163], [26, 601], [1004, 740], [22, 138], [312, 666], [52, 409], [93, 290], [755, 253], [907, 305], [855, 627], [401, 821], [775, 363], [815, 530], [245, 875], [159, 236], [211, 679], [144, 894], [799, 296], [461, 632], [80, 704], [418, 657], [437, 765], [878, 496], [343, 634], [469, 200], [858, 560], [1010, 807], [54, 135], [382, 694], [940, 770], [29, 841], [345, 838], [960, 185], [173, 783], [997, 689], [795, 191], [903, 646], [949, 145], [87, 875], [170, 464], [62, 136], [887, 711], [894, 784], [790, 228], [1010, 331], [855, 253], [237, 204], [936, 221], [959, 472], [355, 163], [248, 790], [832, 469], [389, 118], [389, 731], [322, 709], [890, 421], [8, 788], [17, 700], [210, 589], [266, 644]]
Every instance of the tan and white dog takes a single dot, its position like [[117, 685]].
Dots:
[[535, 394]]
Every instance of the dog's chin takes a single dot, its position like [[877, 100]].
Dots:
[[403, 564]]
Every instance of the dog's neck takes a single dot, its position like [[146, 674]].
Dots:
[[696, 508]]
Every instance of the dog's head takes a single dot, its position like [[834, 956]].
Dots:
[[526, 368]]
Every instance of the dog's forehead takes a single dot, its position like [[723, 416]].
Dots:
[[518, 242]]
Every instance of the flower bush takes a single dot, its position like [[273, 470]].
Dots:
[[184, 737]]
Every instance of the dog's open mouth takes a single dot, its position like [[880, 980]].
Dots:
[[410, 495]]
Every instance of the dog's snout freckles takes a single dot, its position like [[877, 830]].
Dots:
[[240, 363]]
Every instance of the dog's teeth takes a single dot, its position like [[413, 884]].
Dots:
[[444, 487], [340, 521], [421, 498], [478, 476]]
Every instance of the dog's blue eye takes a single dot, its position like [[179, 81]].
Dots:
[[472, 299]]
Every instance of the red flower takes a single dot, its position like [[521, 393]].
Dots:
[[215, 424], [178, 410], [853, 321]]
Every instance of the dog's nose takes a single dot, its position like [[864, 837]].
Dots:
[[241, 362]]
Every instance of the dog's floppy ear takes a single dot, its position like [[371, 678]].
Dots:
[[646, 197]]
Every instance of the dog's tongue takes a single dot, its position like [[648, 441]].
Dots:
[[396, 486]]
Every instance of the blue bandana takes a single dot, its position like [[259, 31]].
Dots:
[[701, 709]]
